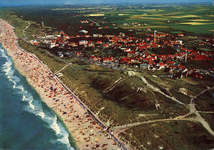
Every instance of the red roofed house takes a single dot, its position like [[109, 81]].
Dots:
[[99, 42], [181, 34], [199, 57], [34, 42], [78, 53], [170, 62], [161, 65], [92, 58], [181, 67], [105, 45], [107, 59], [125, 60], [131, 53]]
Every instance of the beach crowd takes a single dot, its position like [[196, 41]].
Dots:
[[87, 132]]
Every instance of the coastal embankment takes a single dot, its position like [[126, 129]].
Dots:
[[87, 129]]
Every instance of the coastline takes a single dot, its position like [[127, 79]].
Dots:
[[80, 123]]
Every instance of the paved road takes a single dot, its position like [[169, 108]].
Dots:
[[97, 24]]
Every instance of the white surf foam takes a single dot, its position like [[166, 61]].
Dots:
[[10, 72], [31, 105], [20, 87], [55, 126], [3, 53], [8, 63], [14, 86], [41, 114], [29, 99], [23, 98], [65, 141], [7, 68]]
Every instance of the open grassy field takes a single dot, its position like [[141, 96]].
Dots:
[[172, 16]]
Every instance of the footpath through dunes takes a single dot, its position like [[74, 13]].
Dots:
[[88, 131]]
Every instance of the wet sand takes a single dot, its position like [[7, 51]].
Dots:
[[87, 133]]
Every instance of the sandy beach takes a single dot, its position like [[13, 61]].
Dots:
[[87, 132]]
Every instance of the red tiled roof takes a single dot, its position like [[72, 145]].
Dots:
[[200, 57], [181, 66], [170, 62]]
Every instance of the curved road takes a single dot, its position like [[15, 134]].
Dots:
[[192, 110]]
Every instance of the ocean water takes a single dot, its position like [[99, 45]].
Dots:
[[25, 121]]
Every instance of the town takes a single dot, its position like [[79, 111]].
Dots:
[[153, 51]]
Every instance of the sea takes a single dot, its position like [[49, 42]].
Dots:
[[26, 122]]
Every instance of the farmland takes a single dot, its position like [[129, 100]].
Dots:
[[169, 16]]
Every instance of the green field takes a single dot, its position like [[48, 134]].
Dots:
[[197, 18]]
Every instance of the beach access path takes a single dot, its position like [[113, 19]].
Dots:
[[87, 132]]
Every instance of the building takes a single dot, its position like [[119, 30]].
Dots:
[[42, 24]]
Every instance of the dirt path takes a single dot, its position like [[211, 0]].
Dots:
[[111, 87], [191, 106]]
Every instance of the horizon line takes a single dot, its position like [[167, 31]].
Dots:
[[103, 3]]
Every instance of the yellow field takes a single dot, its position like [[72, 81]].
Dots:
[[211, 30], [199, 20], [174, 13], [95, 15], [134, 17], [122, 14], [210, 15], [185, 16], [195, 23]]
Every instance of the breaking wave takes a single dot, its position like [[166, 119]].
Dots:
[[23, 108]]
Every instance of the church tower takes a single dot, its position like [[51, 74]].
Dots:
[[155, 37]]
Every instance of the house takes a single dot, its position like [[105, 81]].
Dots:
[[93, 58], [95, 35], [52, 45], [99, 42], [170, 62], [193, 74], [180, 34], [160, 66], [131, 54], [78, 53], [87, 36], [105, 46], [125, 60], [126, 49], [106, 60], [177, 75], [73, 44], [60, 54], [181, 67], [34, 42], [199, 57], [72, 36], [84, 21], [144, 66], [83, 31], [179, 42], [83, 42]]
